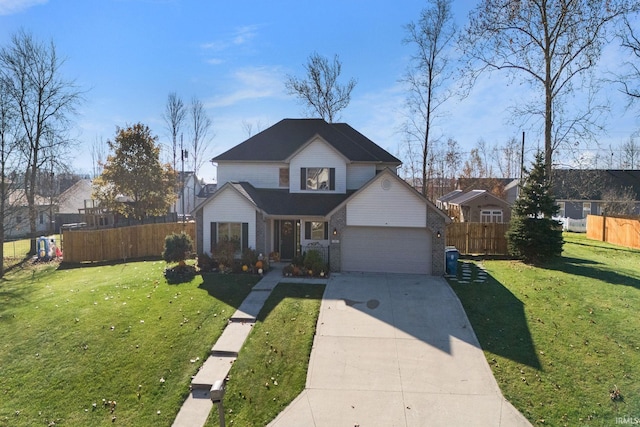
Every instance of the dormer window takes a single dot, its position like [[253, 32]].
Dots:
[[318, 179]]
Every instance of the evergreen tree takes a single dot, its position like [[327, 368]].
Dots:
[[533, 235]]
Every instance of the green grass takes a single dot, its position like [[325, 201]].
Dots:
[[72, 338], [271, 369], [560, 338]]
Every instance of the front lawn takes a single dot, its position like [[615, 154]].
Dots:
[[106, 345], [561, 339], [271, 369]]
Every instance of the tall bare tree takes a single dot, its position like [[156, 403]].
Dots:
[[630, 76], [174, 116], [45, 102], [200, 137], [630, 154], [320, 91], [98, 156], [507, 157], [550, 44], [429, 73]]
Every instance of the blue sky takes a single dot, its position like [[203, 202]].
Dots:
[[235, 55]]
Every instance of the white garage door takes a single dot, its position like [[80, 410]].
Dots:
[[386, 249]]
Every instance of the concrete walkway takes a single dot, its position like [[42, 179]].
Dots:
[[196, 408], [396, 350]]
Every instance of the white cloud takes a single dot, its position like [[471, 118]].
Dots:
[[241, 36], [8, 7], [250, 83]]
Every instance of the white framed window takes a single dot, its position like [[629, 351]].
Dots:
[[316, 230], [318, 179], [491, 215], [586, 209]]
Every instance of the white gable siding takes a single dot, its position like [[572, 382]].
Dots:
[[318, 154], [260, 175], [396, 206], [228, 206], [359, 174]]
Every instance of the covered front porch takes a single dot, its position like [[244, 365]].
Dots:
[[288, 238]]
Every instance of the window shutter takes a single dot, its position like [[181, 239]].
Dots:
[[214, 235], [303, 178], [332, 179], [245, 236], [307, 230], [326, 230]]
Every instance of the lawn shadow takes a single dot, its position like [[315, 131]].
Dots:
[[592, 270], [499, 321], [11, 294], [289, 290], [231, 289]]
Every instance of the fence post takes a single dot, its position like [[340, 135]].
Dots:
[[604, 226]]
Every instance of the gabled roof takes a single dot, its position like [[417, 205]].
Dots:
[[449, 196], [590, 184], [277, 202], [463, 198], [283, 139]]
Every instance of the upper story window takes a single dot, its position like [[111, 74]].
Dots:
[[318, 179], [284, 177]]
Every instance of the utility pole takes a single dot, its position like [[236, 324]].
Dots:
[[183, 155]]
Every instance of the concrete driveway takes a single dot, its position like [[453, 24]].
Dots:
[[396, 350]]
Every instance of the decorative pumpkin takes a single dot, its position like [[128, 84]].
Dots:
[[259, 264], [245, 268], [259, 271]]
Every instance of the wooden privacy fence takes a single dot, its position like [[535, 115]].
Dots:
[[478, 238], [111, 244], [618, 231]]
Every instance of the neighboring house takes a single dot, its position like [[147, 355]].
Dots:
[[503, 188], [187, 193], [477, 206], [306, 183], [582, 192], [443, 202], [16, 220]]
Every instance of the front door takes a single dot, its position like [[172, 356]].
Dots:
[[287, 239]]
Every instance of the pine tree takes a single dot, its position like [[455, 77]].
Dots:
[[533, 235]]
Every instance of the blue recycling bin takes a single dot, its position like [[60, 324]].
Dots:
[[451, 256]]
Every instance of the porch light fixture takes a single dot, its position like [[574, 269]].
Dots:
[[335, 231], [438, 235]]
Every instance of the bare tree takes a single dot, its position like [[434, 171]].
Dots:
[[32, 74], [630, 154], [473, 166], [9, 165], [320, 90], [200, 138], [453, 159], [507, 157], [619, 201], [630, 77], [247, 126], [551, 44], [429, 73], [98, 156], [174, 116]]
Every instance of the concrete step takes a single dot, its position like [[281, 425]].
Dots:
[[232, 338], [213, 369]]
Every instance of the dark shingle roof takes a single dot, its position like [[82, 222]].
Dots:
[[284, 138], [590, 184], [281, 202]]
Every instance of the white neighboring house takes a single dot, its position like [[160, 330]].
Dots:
[[306, 183], [187, 194], [16, 220]]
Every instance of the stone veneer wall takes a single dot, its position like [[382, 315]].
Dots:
[[261, 229], [199, 231], [338, 221], [435, 223]]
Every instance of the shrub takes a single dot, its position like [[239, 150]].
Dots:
[[180, 274], [177, 247], [249, 257], [206, 263], [314, 261], [225, 252]]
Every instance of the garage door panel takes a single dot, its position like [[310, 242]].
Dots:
[[386, 249]]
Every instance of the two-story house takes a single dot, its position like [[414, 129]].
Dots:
[[305, 183]]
